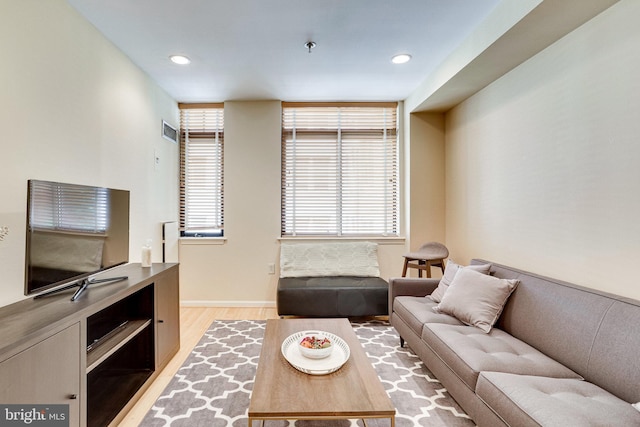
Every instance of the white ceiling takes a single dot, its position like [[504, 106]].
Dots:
[[254, 49]]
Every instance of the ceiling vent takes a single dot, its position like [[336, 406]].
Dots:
[[169, 132]]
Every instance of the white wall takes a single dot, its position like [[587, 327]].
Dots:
[[235, 270], [75, 109], [426, 180], [542, 165]]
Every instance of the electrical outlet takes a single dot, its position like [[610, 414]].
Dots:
[[272, 268]]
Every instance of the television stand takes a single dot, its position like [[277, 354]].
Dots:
[[96, 356], [86, 282], [81, 285]]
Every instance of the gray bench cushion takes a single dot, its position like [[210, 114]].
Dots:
[[554, 402], [333, 296], [469, 351]]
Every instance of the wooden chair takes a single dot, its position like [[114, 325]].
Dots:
[[428, 255]]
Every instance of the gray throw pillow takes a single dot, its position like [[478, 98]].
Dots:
[[450, 273], [476, 299]]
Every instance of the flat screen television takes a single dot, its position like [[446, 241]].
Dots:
[[73, 232]]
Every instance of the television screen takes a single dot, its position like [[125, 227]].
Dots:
[[73, 231]]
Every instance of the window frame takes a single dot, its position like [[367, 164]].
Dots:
[[388, 220], [211, 135]]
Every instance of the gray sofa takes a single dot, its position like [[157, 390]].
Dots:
[[559, 354]]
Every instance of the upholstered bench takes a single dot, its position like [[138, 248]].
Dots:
[[331, 280]]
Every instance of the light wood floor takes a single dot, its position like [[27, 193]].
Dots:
[[194, 321]]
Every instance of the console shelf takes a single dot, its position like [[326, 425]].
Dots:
[[127, 384], [102, 349], [97, 354]]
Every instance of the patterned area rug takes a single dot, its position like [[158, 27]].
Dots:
[[213, 387]]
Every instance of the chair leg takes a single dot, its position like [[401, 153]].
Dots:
[[404, 269], [442, 266]]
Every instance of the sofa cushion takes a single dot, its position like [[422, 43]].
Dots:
[[523, 400], [416, 311], [449, 273], [475, 298], [614, 360], [560, 319], [468, 351]]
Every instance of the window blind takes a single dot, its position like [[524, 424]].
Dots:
[[339, 170], [68, 207], [201, 169]]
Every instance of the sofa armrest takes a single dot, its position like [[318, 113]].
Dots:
[[406, 286]]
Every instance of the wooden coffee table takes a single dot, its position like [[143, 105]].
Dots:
[[281, 392]]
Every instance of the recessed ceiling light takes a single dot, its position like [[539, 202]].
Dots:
[[401, 58], [180, 59]]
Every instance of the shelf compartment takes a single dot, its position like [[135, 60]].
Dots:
[[125, 383], [114, 381], [112, 342]]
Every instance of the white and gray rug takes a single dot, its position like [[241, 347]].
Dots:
[[213, 387]]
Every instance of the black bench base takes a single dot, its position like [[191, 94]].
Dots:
[[333, 296]]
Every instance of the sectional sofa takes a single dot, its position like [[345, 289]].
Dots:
[[558, 355]]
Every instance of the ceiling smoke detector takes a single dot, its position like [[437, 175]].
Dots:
[[310, 45]]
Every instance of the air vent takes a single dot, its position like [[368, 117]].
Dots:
[[169, 132]]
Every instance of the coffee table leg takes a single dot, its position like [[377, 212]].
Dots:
[[392, 421], [251, 422]]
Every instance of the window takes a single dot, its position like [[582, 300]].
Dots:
[[201, 170], [339, 170]]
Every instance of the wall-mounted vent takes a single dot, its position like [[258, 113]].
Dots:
[[169, 132]]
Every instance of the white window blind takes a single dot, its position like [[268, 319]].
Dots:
[[339, 170], [69, 207], [201, 169]]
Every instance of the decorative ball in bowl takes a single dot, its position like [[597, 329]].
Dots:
[[315, 346]]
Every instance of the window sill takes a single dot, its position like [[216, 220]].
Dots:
[[203, 240], [396, 240]]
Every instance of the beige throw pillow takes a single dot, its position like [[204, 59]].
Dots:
[[450, 273], [476, 299]]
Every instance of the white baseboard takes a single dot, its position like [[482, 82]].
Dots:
[[200, 303]]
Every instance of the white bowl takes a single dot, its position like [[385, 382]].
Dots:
[[315, 353]]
